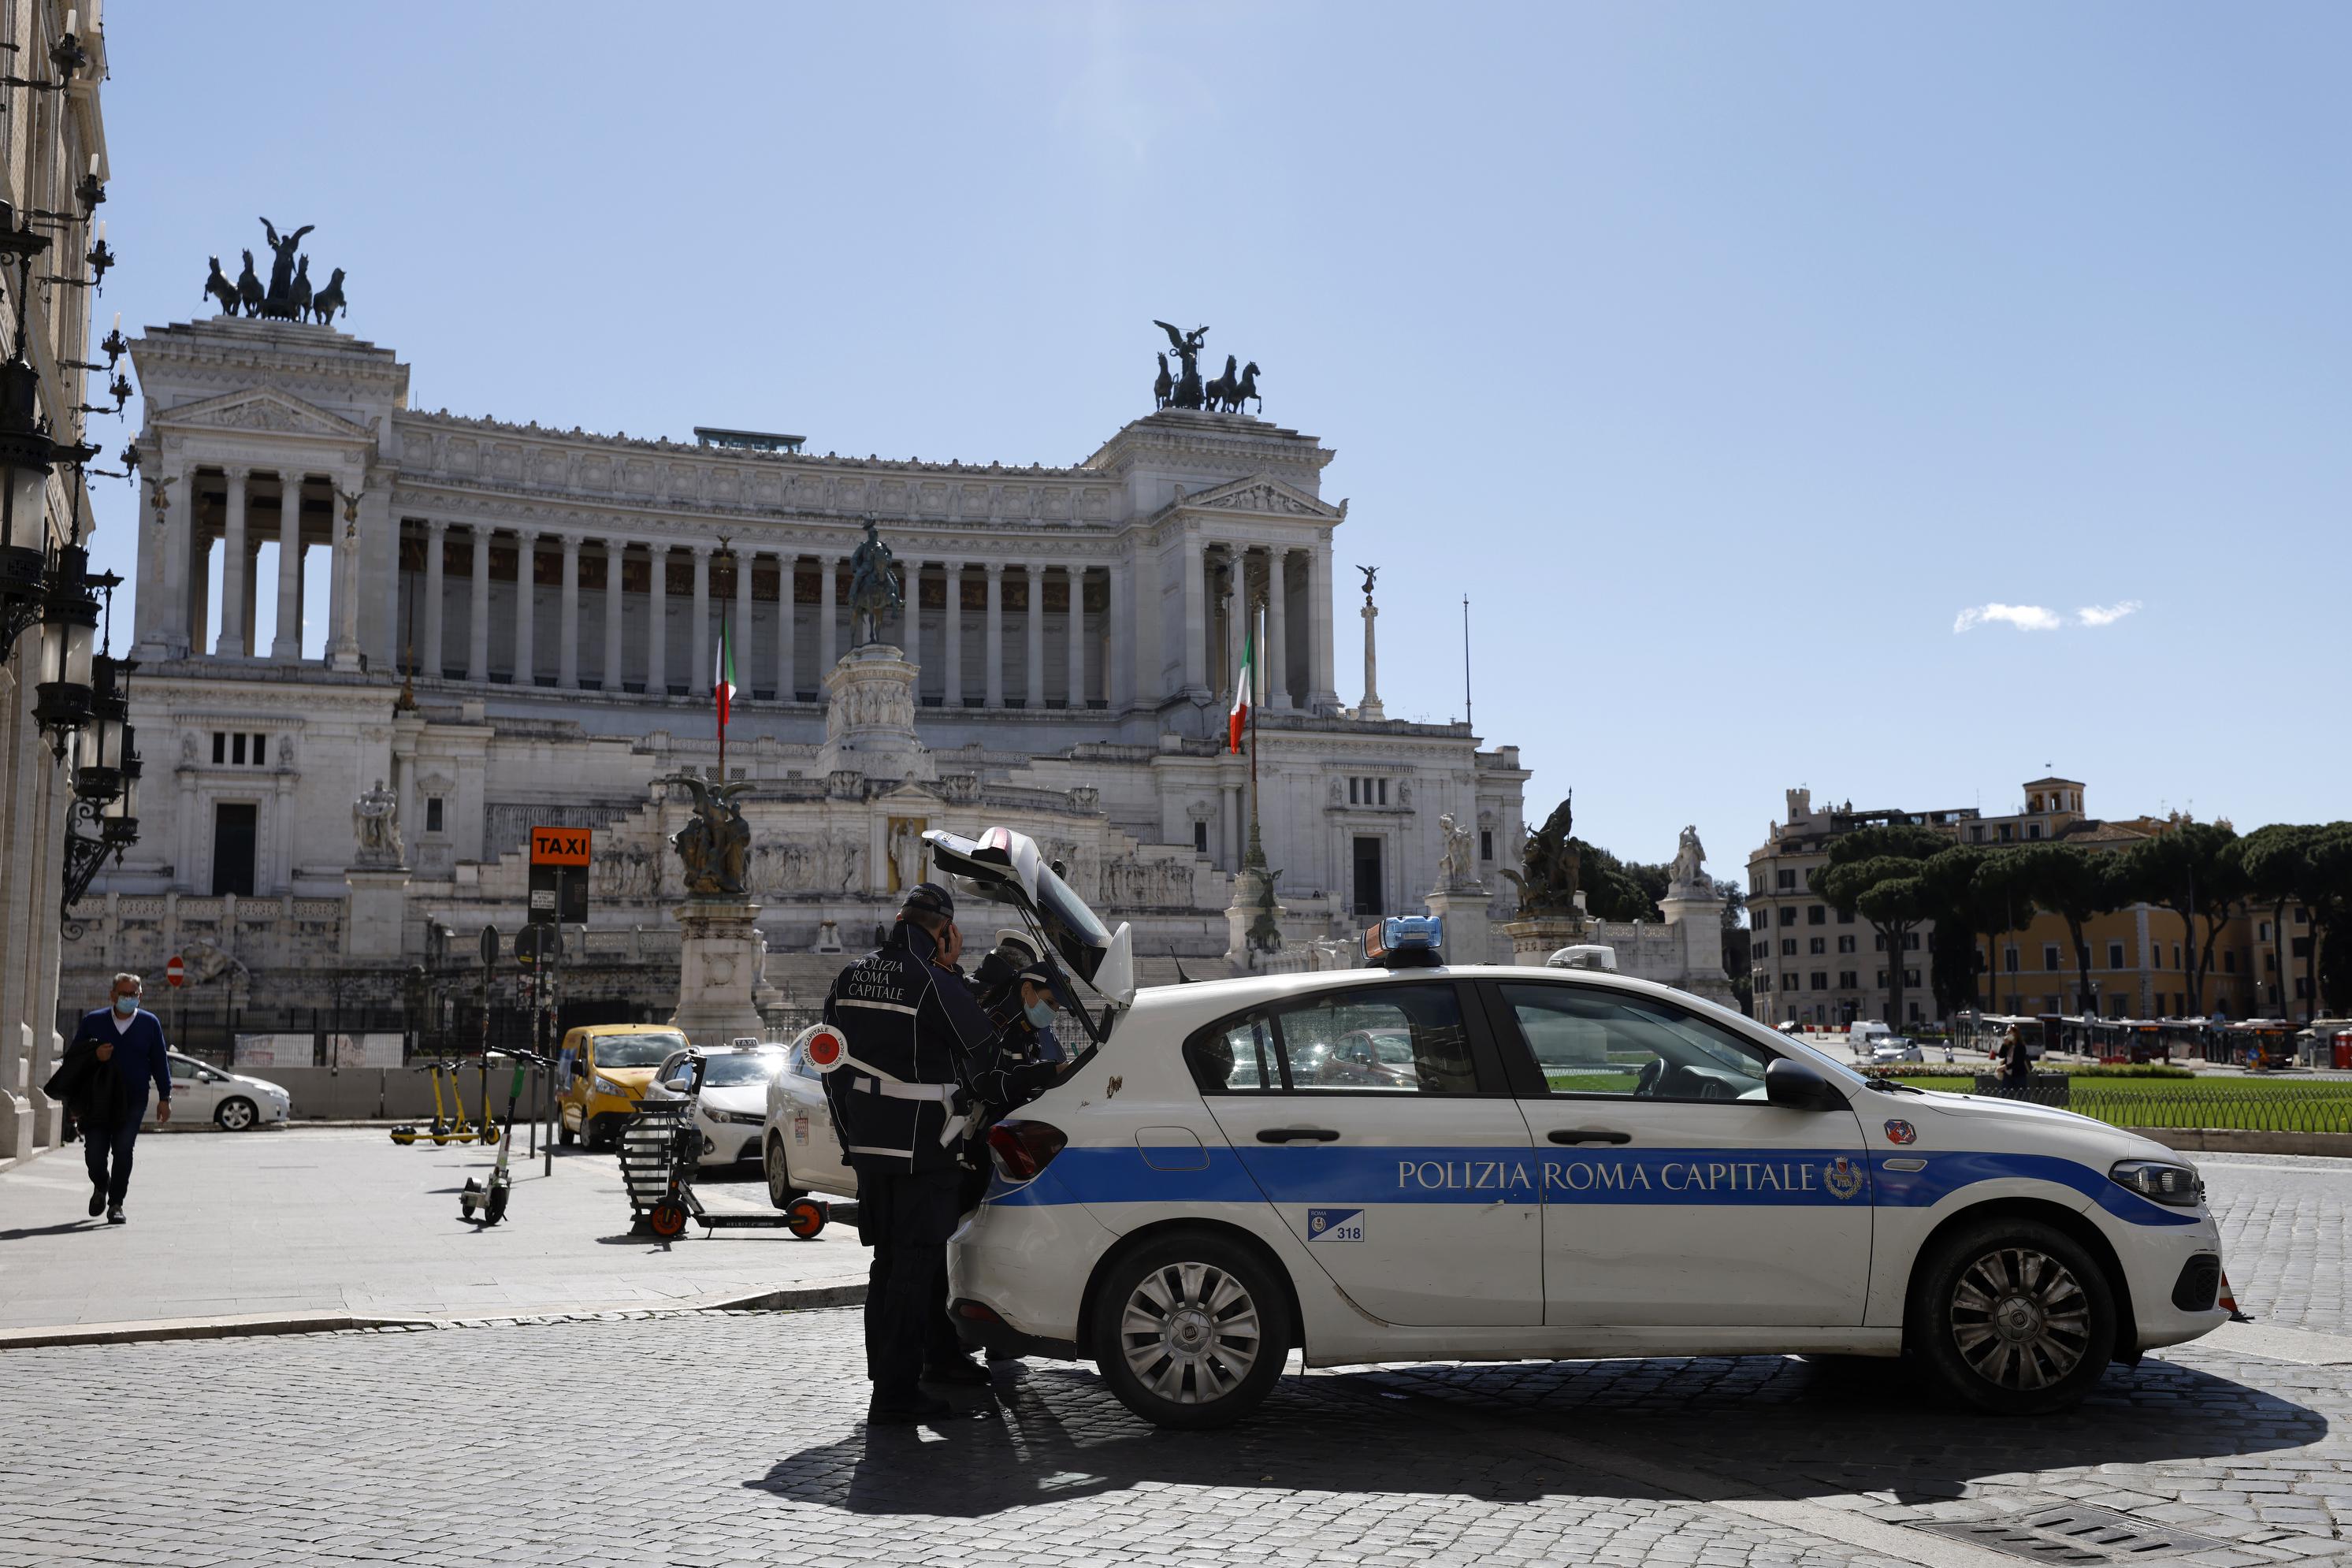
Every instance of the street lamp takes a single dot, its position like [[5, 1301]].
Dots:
[[105, 788]]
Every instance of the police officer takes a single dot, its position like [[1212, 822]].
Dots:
[[919, 1058]]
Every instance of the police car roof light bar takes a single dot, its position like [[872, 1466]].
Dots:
[[1406, 942]]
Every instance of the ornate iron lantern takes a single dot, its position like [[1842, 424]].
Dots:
[[105, 787], [27, 456], [62, 694]]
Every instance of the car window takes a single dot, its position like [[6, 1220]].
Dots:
[[1398, 1039], [636, 1050], [1587, 1040], [1236, 1056], [182, 1068], [746, 1068]]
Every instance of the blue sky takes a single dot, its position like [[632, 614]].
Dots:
[[1726, 356]]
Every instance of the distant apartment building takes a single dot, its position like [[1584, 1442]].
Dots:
[[1811, 966]]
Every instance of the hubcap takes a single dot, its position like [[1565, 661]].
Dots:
[[2021, 1319], [1190, 1332]]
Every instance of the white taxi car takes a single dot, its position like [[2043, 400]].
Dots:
[[1571, 1164], [799, 1151], [733, 1104]]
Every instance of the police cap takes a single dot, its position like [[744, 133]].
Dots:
[[930, 897]]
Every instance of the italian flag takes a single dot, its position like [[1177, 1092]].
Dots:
[[1239, 718], [723, 682]]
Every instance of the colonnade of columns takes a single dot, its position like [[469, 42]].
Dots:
[[1226, 584], [227, 629], [504, 644]]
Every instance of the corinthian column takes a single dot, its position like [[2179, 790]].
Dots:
[[995, 649], [235, 565], [1035, 694], [697, 678], [616, 552], [567, 655], [1077, 680], [437, 557], [951, 627], [828, 569], [526, 610], [477, 653], [657, 620], [287, 642]]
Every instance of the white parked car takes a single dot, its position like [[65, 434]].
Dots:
[[1184, 1210], [799, 1151], [1896, 1051], [202, 1092], [734, 1101]]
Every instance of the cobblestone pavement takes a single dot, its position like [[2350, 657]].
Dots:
[[2286, 1233], [708, 1439]]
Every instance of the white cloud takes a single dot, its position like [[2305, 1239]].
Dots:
[[2105, 614], [2025, 617]]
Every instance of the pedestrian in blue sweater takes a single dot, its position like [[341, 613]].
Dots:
[[125, 1048]]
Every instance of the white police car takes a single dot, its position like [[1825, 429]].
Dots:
[[1574, 1164]]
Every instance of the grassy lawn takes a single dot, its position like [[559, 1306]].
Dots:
[[2249, 1104]]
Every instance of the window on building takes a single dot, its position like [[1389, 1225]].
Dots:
[[1817, 946], [1485, 844], [1788, 947], [1846, 980], [2114, 955], [1788, 914], [2264, 931], [1910, 978], [2176, 955], [2298, 947], [220, 747], [232, 846], [2033, 830], [433, 814], [1761, 950], [261, 750], [2269, 964], [1817, 914], [1355, 791], [2301, 916], [1787, 882], [1877, 942], [1910, 941], [2050, 955], [1976, 834], [2007, 833], [1821, 980], [1845, 917], [1845, 944], [2009, 958], [1881, 980], [2229, 963], [237, 749], [1384, 790], [1199, 837]]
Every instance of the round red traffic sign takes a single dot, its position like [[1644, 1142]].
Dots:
[[826, 1048], [175, 973]]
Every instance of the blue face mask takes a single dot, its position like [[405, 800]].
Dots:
[[126, 1005], [1040, 1014]]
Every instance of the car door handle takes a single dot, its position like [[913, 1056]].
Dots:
[[1298, 1135], [1588, 1135]]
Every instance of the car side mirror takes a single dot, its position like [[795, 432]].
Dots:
[[1793, 1086], [680, 1082]]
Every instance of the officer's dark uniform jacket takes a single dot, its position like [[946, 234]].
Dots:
[[908, 1019]]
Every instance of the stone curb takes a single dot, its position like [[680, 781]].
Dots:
[[2234, 1140], [847, 1291]]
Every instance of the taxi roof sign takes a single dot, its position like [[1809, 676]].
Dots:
[[1406, 942]]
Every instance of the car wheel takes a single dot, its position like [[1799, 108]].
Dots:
[[1191, 1331], [2013, 1317], [234, 1115], [781, 1191]]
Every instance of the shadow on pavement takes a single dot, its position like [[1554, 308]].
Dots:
[[1755, 1426], [60, 1229]]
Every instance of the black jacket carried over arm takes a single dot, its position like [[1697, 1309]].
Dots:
[[909, 1022], [90, 1088]]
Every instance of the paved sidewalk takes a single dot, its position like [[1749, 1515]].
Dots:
[[309, 1220]]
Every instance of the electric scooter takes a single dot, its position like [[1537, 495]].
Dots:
[[443, 1130], [486, 1206]]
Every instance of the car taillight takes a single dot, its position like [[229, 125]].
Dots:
[[1024, 1148]]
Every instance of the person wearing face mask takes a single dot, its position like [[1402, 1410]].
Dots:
[[117, 1051]]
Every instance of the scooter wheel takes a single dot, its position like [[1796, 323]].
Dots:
[[497, 1204], [805, 1217], [403, 1136], [667, 1219]]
